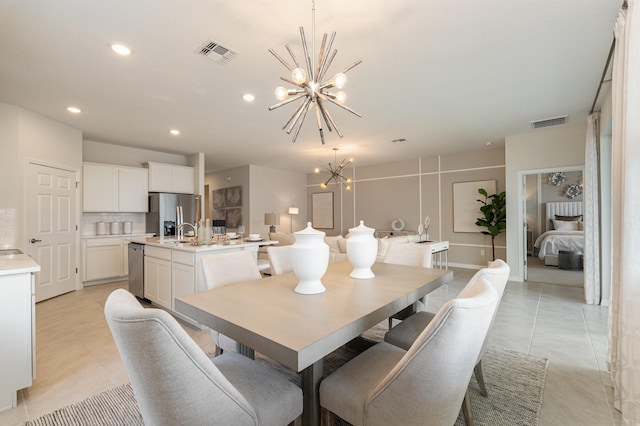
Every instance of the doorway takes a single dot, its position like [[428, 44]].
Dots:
[[538, 190], [52, 225]]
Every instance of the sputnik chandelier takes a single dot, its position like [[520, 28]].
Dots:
[[312, 89], [336, 172]]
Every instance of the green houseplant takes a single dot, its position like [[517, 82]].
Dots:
[[494, 211]]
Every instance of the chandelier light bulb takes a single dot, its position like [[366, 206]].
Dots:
[[299, 76], [348, 187], [316, 170], [324, 185], [340, 80], [281, 93], [341, 97]]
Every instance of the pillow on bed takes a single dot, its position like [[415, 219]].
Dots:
[[569, 218], [565, 225]]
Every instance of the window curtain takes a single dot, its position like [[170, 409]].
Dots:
[[592, 282], [624, 318]]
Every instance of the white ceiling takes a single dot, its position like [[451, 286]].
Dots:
[[446, 75]]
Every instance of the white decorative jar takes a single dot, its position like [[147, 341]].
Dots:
[[362, 250], [309, 258]]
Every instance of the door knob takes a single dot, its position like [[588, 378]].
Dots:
[[33, 241]]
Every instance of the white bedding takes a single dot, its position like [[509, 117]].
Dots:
[[549, 243]]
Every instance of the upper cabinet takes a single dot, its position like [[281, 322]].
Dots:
[[171, 178], [109, 188]]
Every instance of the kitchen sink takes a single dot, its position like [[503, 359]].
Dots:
[[175, 241], [7, 252]]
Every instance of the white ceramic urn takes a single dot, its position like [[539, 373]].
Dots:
[[309, 258], [362, 250]]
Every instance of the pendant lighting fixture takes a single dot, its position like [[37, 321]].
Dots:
[[336, 172], [311, 87]]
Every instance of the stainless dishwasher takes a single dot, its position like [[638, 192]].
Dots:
[[136, 270]]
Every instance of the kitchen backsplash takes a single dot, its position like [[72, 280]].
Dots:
[[89, 221]]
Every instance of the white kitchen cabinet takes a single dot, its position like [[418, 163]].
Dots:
[[103, 258], [157, 276], [99, 188], [171, 178], [17, 331], [133, 189], [110, 188], [183, 277]]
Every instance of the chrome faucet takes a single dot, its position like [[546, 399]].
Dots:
[[181, 231]]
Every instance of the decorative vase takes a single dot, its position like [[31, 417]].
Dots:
[[309, 258], [362, 250]]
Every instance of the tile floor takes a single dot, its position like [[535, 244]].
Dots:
[[77, 358]]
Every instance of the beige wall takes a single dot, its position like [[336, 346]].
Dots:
[[412, 189], [30, 137], [559, 147], [265, 190]]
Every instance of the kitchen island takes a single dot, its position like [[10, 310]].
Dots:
[[17, 324], [172, 267]]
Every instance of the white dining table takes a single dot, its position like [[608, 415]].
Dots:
[[298, 330]]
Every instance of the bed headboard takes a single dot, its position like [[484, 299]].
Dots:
[[563, 208]]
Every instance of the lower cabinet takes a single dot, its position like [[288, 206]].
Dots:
[[104, 259], [157, 276], [17, 331], [183, 277]]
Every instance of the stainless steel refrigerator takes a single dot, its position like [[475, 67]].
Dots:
[[161, 218]]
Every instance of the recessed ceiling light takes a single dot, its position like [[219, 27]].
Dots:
[[174, 132], [248, 97], [74, 110], [121, 49]]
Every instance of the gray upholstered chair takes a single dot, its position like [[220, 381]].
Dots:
[[424, 385], [225, 269], [411, 254], [280, 259], [404, 334], [175, 383]]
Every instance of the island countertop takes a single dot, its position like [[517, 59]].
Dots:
[[17, 264], [174, 244]]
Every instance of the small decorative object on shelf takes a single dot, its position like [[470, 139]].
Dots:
[[557, 178], [309, 258], [573, 191], [427, 223], [362, 249], [397, 224], [420, 232]]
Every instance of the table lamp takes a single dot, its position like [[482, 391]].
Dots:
[[293, 211], [271, 219]]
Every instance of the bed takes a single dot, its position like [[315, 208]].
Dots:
[[563, 231]]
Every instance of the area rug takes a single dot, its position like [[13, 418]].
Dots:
[[515, 382]]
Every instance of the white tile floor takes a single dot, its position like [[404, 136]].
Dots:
[[76, 356]]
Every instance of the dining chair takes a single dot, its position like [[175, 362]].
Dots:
[[280, 259], [175, 383], [404, 334], [424, 385], [225, 269], [410, 254]]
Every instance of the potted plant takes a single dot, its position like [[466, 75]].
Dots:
[[494, 210]]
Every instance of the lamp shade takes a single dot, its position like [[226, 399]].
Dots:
[[271, 219], [294, 210]]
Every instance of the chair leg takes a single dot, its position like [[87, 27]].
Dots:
[[326, 417], [218, 351], [480, 378], [390, 323], [466, 409]]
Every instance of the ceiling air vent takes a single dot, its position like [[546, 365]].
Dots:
[[216, 52], [550, 122]]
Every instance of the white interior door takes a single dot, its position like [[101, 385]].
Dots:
[[51, 228]]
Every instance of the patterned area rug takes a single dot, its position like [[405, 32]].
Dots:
[[515, 382]]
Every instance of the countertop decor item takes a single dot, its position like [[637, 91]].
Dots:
[[101, 228], [312, 88], [362, 249], [397, 224], [309, 259]]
